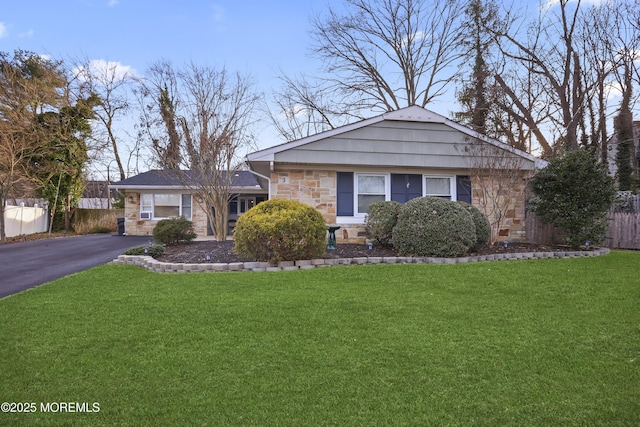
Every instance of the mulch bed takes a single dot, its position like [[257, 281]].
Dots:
[[222, 252]]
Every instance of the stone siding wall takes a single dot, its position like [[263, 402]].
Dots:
[[507, 216], [317, 188], [134, 226]]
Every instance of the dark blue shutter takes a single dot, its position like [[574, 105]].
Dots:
[[463, 188], [345, 194], [405, 187]]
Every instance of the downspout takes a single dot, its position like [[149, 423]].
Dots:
[[263, 177]]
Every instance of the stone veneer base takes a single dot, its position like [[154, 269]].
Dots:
[[152, 264]]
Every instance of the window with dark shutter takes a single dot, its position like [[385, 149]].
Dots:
[[344, 194], [463, 188]]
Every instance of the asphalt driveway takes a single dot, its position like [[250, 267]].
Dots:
[[27, 264]]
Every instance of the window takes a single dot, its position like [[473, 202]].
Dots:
[[356, 191], [146, 206], [166, 205], [370, 188], [241, 204], [439, 186], [186, 206], [158, 206]]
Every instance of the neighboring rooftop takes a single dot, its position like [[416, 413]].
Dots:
[[169, 179]]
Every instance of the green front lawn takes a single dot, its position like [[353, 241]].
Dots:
[[523, 343]]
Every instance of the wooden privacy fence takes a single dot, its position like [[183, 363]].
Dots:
[[541, 234], [623, 233]]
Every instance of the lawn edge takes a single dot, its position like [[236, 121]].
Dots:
[[151, 264]]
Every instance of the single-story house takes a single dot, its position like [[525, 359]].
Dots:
[[397, 155], [157, 194]]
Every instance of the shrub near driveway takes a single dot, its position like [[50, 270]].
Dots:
[[174, 230], [280, 230], [534, 343]]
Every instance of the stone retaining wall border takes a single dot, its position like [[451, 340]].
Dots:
[[152, 264]]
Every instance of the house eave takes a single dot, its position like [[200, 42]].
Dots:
[[409, 114], [152, 188]]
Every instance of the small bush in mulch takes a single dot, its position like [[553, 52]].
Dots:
[[154, 251], [174, 230], [381, 219], [430, 226], [483, 227], [280, 230]]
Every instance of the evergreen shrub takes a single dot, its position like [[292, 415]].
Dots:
[[575, 193], [483, 227], [152, 250], [381, 219], [430, 226], [280, 230], [174, 230]]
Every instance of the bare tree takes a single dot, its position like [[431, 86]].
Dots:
[[548, 53], [379, 55], [112, 83], [209, 113], [302, 107], [159, 98], [497, 180], [599, 57]]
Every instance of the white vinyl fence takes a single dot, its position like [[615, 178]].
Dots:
[[19, 220]]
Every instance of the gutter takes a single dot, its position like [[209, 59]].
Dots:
[[259, 175]]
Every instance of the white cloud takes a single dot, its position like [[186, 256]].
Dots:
[[27, 34], [218, 16], [106, 69], [218, 13], [416, 37], [4, 31], [548, 4]]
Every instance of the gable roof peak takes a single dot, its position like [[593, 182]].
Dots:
[[414, 113]]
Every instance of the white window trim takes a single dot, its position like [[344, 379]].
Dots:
[[452, 185], [152, 217], [387, 191]]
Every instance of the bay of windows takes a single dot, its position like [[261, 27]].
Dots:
[[367, 188]]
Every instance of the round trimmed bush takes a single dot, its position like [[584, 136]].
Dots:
[[381, 219], [174, 230], [430, 226], [280, 230], [483, 227]]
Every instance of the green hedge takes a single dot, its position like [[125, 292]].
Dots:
[[280, 230], [430, 226], [381, 219]]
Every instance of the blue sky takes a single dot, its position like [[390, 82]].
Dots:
[[254, 37], [250, 36]]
